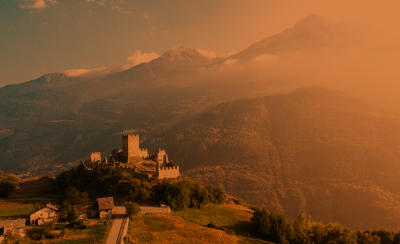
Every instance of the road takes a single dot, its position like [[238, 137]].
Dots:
[[116, 227]]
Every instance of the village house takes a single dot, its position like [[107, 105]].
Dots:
[[101, 209], [44, 214], [12, 227]]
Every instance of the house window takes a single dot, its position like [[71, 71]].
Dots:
[[41, 214], [107, 211]]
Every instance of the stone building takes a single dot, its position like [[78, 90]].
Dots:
[[44, 214], [135, 160], [101, 209], [12, 227]]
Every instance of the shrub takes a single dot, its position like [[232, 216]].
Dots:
[[132, 209], [214, 226], [239, 201]]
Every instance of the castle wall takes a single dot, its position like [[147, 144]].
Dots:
[[168, 172]]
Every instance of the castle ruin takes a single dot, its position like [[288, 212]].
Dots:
[[135, 160]]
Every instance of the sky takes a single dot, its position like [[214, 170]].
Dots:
[[45, 36]]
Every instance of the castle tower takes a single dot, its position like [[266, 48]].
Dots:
[[130, 146]]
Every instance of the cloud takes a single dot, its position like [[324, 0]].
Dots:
[[80, 72], [206, 53], [213, 55], [228, 54], [38, 4], [138, 57], [265, 58], [230, 62]]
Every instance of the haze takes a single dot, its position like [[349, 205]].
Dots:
[[45, 36]]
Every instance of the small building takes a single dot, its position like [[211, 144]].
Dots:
[[82, 210], [101, 209], [12, 227], [44, 214]]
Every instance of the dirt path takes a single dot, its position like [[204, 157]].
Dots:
[[116, 228]]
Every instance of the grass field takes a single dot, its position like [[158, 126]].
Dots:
[[15, 210], [166, 228], [223, 216], [83, 236]]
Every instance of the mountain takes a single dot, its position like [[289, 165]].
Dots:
[[41, 119], [313, 31], [314, 150]]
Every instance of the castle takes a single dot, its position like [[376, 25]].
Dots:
[[134, 160]]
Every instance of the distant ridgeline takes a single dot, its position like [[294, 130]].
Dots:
[[134, 160]]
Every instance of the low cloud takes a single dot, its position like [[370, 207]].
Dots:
[[230, 62], [138, 57], [265, 58], [206, 53], [228, 54], [213, 55], [80, 72], [37, 4]]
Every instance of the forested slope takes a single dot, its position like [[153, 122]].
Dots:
[[315, 150]]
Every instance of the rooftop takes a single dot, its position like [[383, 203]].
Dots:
[[17, 223], [105, 203]]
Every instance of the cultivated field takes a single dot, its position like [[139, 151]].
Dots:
[[15, 210]]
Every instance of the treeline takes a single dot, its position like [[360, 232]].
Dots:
[[76, 184], [279, 228]]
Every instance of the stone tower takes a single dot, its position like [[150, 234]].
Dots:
[[130, 146], [131, 149]]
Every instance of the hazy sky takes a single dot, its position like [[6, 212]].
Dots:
[[44, 36]]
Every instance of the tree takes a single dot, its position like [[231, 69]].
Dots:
[[143, 194], [218, 194], [74, 197], [63, 211], [303, 229], [127, 184], [386, 236], [274, 227], [177, 196], [199, 195], [336, 233], [8, 184], [72, 216], [367, 238], [132, 209]]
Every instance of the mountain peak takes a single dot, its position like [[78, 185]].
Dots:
[[181, 53], [312, 21]]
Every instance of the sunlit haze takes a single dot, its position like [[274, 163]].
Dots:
[[45, 36]]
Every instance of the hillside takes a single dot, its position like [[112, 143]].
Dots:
[[314, 150]]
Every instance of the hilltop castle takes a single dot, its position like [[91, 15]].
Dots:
[[134, 160]]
